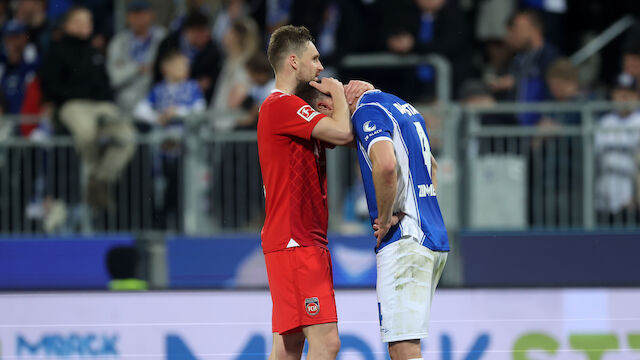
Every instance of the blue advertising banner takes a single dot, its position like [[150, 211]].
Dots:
[[550, 258], [41, 263], [237, 261]]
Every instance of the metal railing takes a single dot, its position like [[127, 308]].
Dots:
[[493, 174], [441, 65]]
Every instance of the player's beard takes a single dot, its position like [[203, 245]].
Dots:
[[301, 79]]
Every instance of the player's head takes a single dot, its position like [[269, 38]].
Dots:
[[291, 49], [525, 29], [318, 100]]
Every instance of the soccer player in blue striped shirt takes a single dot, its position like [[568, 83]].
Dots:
[[398, 173]]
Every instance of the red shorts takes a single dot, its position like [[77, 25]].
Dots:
[[301, 284]]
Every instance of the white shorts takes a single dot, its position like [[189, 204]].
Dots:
[[408, 274]]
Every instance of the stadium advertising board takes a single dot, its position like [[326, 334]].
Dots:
[[466, 324]]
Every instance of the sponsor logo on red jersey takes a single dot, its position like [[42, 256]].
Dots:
[[306, 112]]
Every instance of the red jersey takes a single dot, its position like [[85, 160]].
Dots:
[[294, 173]]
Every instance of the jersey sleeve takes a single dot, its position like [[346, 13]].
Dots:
[[296, 117], [372, 124]]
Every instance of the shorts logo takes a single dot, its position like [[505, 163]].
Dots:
[[312, 305], [306, 112]]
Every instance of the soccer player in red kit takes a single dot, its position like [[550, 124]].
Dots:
[[292, 138]]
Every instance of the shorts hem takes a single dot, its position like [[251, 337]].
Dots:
[[323, 321], [404, 337], [298, 327]]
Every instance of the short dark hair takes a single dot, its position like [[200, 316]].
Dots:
[[284, 40], [533, 16], [195, 19], [170, 55], [308, 93]]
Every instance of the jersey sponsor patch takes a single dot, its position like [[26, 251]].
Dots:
[[306, 112], [367, 127], [312, 305]]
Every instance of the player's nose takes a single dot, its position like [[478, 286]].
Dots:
[[320, 67]]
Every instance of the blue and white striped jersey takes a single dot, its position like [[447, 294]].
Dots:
[[384, 117]]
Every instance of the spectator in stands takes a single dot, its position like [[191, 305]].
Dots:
[[194, 41], [131, 54], [262, 83], [231, 11], [175, 98], [426, 27], [167, 107], [33, 13], [526, 82], [74, 77], [240, 43], [491, 30], [18, 65], [564, 86], [552, 14], [617, 145]]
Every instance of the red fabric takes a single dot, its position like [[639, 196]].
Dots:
[[31, 105], [301, 284], [294, 173]]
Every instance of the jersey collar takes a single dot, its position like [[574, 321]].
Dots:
[[365, 93]]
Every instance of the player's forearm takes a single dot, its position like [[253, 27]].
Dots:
[[341, 111], [385, 181]]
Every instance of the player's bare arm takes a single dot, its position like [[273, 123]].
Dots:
[[385, 181], [337, 128]]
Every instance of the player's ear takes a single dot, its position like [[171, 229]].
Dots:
[[293, 61], [325, 107]]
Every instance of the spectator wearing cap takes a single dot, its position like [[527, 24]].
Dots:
[[194, 42], [18, 65], [33, 13], [74, 77], [534, 54], [131, 54], [617, 144]]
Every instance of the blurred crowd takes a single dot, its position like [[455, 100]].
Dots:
[[66, 70]]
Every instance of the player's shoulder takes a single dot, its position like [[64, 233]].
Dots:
[[373, 101]]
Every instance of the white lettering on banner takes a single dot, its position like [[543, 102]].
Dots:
[[306, 112], [233, 324]]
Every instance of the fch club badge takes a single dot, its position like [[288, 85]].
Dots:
[[312, 305]]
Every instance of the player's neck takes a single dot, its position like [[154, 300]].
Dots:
[[286, 83]]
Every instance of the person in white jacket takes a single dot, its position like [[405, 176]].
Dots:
[[131, 54]]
